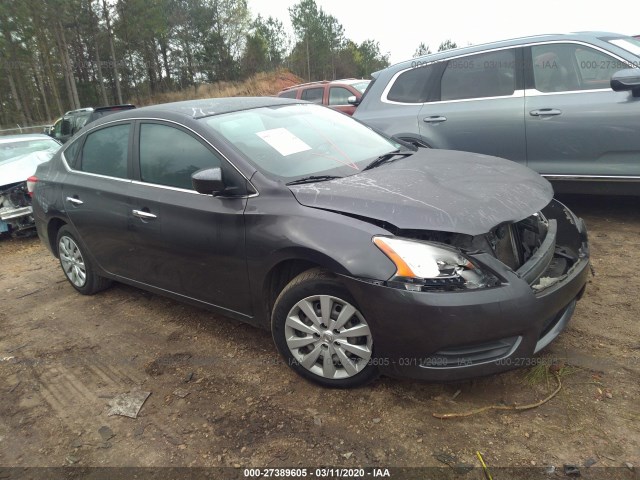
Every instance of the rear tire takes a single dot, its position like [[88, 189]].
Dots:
[[76, 264], [320, 332]]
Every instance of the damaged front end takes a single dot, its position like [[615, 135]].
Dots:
[[541, 249], [504, 297], [15, 210]]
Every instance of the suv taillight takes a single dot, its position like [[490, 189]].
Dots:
[[31, 184]]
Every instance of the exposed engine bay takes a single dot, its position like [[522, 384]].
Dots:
[[16, 210], [542, 248]]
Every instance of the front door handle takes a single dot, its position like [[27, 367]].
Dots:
[[74, 200], [143, 215], [435, 119], [545, 112]]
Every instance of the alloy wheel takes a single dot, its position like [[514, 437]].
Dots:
[[328, 336], [72, 261]]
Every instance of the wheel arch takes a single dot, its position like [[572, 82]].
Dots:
[[53, 227], [286, 267], [348, 342]]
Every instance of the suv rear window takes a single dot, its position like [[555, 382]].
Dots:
[[490, 74], [412, 85]]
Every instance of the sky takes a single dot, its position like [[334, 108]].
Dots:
[[399, 26]]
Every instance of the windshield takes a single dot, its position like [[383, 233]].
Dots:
[[12, 150], [361, 86], [630, 44], [295, 141]]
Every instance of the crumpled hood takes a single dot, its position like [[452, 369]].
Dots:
[[22, 167], [440, 190]]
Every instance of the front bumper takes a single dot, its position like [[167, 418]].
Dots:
[[445, 336], [16, 219], [12, 213], [16, 212]]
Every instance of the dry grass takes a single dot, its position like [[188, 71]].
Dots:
[[542, 372], [261, 84]]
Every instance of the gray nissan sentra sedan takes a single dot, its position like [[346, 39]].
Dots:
[[361, 254]]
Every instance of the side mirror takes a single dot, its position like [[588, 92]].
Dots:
[[353, 100], [628, 79], [208, 181]]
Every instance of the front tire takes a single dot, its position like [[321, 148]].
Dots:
[[318, 329], [76, 265]]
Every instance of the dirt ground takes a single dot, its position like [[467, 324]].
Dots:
[[220, 396]]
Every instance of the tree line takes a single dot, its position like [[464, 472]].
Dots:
[[61, 55], [425, 50]]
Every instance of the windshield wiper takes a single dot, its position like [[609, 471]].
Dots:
[[312, 179], [387, 157]]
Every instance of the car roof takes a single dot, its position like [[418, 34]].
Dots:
[[350, 81], [512, 42], [196, 109], [80, 110], [307, 84], [343, 81], [124, 106], [25, 137]]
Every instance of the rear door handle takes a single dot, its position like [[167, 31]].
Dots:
[[74, 200], [143, 215], [545, 112], [435, 119]]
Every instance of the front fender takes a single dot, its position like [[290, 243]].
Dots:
[[279, 229]]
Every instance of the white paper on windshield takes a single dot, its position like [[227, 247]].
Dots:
[[285, 142]]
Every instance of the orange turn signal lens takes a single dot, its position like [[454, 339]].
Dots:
[[403, 270]]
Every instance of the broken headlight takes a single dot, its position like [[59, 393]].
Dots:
[[422, 266]]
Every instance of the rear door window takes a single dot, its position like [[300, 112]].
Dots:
[[491, 74], [71, 152], [288, 94], [105, 151], [313, 95]]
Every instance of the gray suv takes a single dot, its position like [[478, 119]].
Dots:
[[567, 106]]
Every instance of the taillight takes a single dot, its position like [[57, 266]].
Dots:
[[31, 184]]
